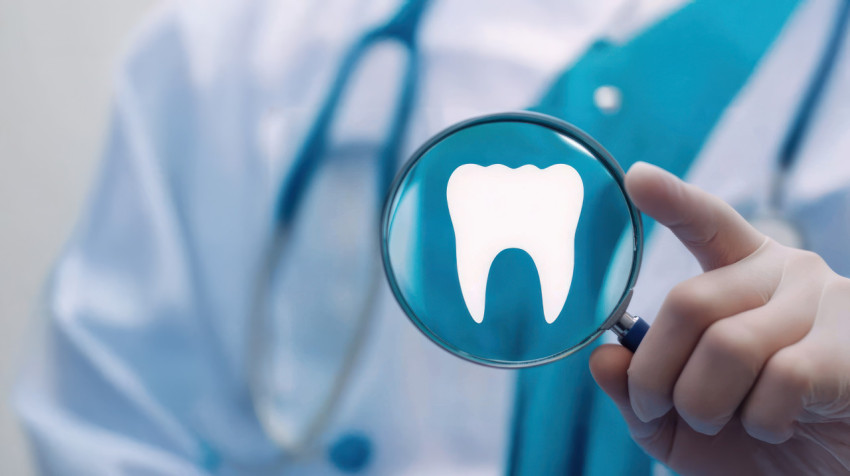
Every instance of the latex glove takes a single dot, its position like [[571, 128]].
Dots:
[[746, 369]]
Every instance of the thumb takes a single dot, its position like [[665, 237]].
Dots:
[[712, 230]]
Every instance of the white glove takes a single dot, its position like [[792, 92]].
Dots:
[[746, 369]]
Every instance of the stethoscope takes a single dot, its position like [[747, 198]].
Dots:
[[402, 28], [773, 219]]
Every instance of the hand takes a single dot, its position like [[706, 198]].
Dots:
[[746, 369]]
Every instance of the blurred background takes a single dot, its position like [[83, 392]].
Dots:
[[57, 61]]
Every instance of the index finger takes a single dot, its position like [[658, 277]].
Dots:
[[711, 229]]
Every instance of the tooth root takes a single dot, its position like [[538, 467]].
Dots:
[[473, 268], [555, 268]]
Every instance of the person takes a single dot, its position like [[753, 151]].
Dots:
[[143, 364], [744, 371]]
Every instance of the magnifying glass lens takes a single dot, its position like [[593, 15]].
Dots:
[[509, 240]]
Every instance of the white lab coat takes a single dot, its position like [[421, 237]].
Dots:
[[141, 368]]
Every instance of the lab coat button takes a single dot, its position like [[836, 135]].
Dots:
[[608, 99], [350, 453]]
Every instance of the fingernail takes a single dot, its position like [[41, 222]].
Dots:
[[704, 427], [641, 411], [646, 165], [647, 411]]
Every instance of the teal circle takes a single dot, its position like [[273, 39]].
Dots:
[[419, 252]]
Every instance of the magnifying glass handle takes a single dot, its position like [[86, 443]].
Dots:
[[630, 331]]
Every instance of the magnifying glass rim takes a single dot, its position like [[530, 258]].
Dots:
[[561, 127]]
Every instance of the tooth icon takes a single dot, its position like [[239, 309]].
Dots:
[[497, 208]]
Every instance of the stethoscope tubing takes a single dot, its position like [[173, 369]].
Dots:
[[789, 151], [402, 28]]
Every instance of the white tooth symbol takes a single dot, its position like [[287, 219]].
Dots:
[[496, 208]]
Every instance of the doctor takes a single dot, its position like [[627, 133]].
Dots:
[[144, 364]]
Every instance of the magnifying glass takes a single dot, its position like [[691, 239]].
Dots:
[[509, 240]]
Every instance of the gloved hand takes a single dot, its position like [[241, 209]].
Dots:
[[746, 369]]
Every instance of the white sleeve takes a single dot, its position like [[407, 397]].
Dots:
[[124, 378]]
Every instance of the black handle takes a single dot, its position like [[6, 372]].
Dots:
[[632, 336], [630, 330]]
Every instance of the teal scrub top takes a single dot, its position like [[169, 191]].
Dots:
[[676, 79]]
